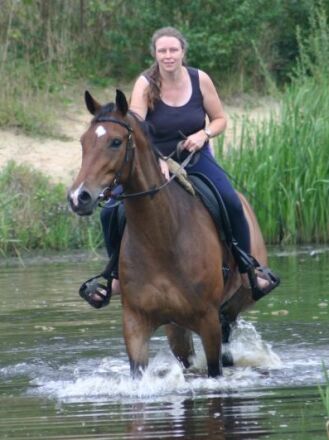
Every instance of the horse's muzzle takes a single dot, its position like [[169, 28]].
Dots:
[[81, 201]]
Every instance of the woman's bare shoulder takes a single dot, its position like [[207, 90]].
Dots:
[[138, 100], [205, 79], [142, 81]]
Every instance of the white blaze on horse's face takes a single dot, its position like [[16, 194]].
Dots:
[[75, 195], [100, 131]]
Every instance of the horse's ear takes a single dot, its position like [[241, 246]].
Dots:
[[92, 105], [121, 102]]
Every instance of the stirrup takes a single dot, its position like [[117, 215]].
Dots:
[[92, 287], [266, 274]]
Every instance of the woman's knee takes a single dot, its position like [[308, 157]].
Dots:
[[233, 204]]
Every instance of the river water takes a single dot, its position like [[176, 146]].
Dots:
[[64, 372]]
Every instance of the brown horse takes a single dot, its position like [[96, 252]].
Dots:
[[171, 257]]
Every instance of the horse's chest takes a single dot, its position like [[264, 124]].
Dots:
[[152, 290]]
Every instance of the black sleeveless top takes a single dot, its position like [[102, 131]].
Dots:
[[166, 121]]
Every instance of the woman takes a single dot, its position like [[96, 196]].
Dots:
[[175, 100]]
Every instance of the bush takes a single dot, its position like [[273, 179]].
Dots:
[[35, 215]]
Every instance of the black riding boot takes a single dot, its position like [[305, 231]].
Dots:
[[96, 294]]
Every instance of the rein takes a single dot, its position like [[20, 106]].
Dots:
[[130, 148], [152, 191]]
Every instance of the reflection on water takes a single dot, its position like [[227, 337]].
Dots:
[[64, 372]]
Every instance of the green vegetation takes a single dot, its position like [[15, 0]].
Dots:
[[324, 393], [50, 45], [282, 164], [23, 103], [284, 161], [35, 215]]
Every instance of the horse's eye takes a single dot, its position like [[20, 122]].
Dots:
[[115, 143]]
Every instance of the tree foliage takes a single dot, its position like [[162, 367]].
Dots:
[[110, 38]]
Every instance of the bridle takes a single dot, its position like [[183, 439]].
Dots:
[[129, 155]]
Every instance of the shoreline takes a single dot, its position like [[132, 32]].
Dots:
[[35, 258]]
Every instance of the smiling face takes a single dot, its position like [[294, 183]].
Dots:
[[169, 53]]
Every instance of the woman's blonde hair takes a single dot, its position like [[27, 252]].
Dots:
[[153, 73]]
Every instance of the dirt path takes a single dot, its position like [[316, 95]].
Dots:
[[60, 160]]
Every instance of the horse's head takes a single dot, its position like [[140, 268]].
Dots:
[[106, 153]]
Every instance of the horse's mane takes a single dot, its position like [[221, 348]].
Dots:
[[144, 125], [105, 109], [146, 128]]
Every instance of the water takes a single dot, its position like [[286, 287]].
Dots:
[[64, 373]]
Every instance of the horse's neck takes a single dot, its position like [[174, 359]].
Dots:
[[145, 173], [151, 214]]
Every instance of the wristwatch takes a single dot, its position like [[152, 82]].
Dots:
[[208, 132]]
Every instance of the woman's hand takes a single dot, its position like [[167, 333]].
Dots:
[[164, 168], [195, 141]]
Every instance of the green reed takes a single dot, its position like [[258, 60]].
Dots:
[[282, 162], [35, 215], [324, 391], [324, 394]]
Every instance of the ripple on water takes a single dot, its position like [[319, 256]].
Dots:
[[64, 370]]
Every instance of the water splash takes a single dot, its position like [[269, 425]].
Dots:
[[109, 378], [248, 348]]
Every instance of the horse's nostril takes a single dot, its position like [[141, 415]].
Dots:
[[84, 197]]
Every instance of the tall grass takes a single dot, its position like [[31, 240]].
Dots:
[[324, 393], [32, 97], [25, 101], [283, 161], [34, 215]]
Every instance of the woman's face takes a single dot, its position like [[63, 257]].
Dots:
[[169, 53]]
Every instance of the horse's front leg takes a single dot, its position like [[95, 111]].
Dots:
[[211, 336], [137, 332]]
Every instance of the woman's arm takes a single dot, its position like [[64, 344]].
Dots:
[[215, 112], [138, 100], [138, 104], [212, 105]]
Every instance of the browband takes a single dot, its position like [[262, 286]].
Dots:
[[105, 118]]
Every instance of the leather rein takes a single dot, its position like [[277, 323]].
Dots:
[[129, 155]]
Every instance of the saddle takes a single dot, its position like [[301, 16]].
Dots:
[[213, 201], [215, 205]]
